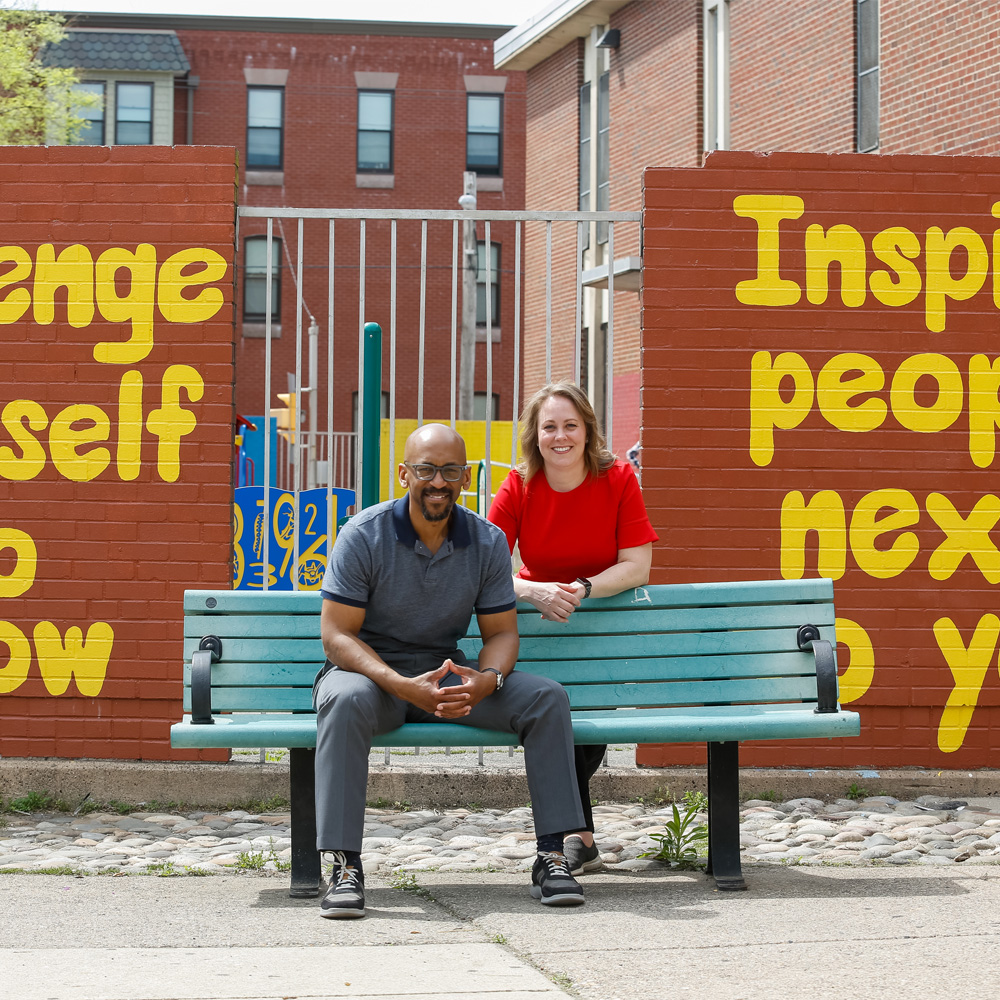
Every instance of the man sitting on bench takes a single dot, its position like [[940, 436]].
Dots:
[[402, 583]]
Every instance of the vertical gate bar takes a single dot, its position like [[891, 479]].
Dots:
[[454, 318], [423, 321], [266, 571], [358, 422], [298, 436], [392, 359], [578, 329], [609, 343], [331, 512], [548, 301], [488, 466], [515, 400]]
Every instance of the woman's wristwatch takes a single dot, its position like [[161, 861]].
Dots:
[[586, 585]]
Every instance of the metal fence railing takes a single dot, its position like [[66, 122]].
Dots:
[[314, 245]]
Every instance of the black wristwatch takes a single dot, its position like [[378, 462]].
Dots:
[[493, 670], [586, 585]]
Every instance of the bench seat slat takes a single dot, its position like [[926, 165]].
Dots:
[[687, 724]]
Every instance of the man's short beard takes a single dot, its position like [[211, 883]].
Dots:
[[443, 516]]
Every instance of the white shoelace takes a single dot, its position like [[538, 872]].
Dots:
[[346, 875], [555, 863]]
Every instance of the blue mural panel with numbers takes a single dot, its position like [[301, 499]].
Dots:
[[314, 518]]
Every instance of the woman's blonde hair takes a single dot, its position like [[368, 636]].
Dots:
[[596, 455]]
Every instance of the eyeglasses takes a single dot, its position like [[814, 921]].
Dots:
[[449, 473]]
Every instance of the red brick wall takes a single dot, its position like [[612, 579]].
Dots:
[[716, 492], [319, 171], [939, 77], [109, 509], [791, 75]]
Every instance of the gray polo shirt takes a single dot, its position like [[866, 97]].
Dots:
[[418, 604]]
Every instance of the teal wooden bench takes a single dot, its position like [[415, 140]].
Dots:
[[719, 663]]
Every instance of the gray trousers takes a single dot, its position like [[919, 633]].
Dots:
[[351, 709]]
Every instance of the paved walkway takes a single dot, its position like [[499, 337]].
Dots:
[[833, 928]]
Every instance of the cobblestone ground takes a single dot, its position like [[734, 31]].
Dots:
[[878, 830]]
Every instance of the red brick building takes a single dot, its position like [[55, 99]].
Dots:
[[629, 86], [618, 86], [330, 114]]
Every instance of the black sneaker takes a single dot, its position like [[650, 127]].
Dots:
[[552, 883], [346, 896], [580, 858]]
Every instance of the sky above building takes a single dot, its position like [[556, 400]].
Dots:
[[509, 12]]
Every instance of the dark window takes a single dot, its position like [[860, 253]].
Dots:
[[383, 409], [375, 130], [255, 279], [868, 100], [91, 133], [481, 283], [134, 114], [479, 406], [484, 133], [584, 178], [265, 127], [603, 154]]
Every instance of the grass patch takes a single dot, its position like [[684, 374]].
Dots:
[[856, 793], [255, 861], [275, 803], [381, 803], [660, 796], [163, 869]]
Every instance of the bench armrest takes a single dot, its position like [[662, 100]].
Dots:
[[826, 668], [209, 651]]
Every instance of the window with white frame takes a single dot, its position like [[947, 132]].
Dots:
[[494, 298], [375, 131], [92, 131], [255, 279], [265, 127], [716, 74], [867, 45], [603, 151], [484, 133], [134, 114]]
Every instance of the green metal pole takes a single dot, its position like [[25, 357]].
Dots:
[[371, 419]]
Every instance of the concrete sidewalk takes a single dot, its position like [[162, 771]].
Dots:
[[830, 933]]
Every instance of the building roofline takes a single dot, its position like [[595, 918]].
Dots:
[[280, 25], [550, 30]]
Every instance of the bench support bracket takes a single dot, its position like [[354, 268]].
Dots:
[[209, 652], [724, 815], [305, 857]]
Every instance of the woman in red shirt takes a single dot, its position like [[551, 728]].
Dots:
[[576, 514]]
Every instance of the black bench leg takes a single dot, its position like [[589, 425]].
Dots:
[[724, 815], [305, 857]]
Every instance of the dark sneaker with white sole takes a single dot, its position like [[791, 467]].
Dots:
[[552, 883], [345, 899], [580, 858]]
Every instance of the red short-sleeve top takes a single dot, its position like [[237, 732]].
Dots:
[[563, 536]]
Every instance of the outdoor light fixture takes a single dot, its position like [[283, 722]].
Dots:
[[610, 39]]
